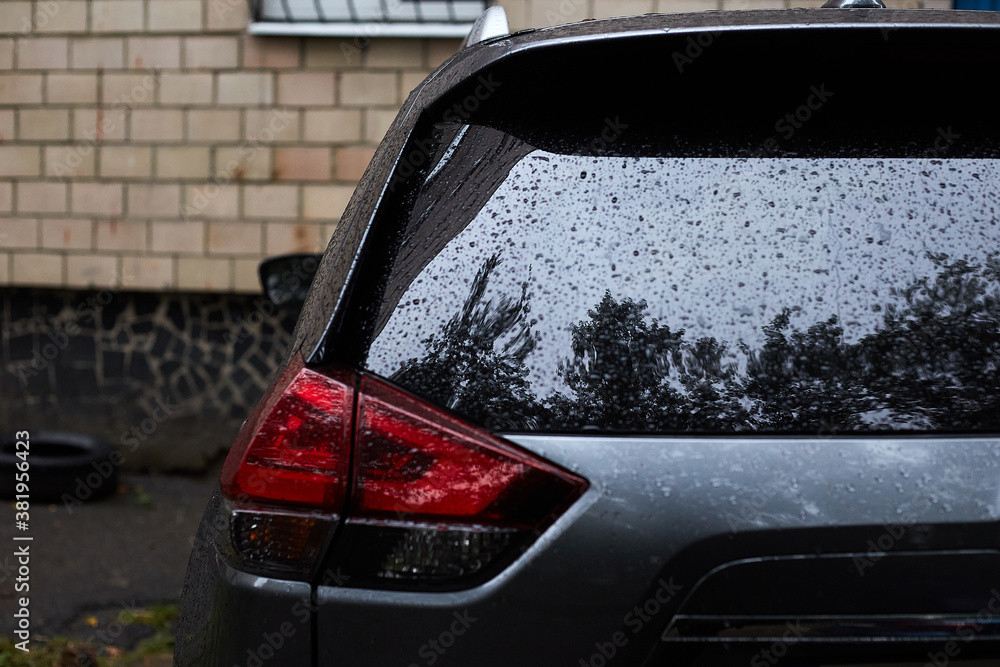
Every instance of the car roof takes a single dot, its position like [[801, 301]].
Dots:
[[754, 19], [480, 55]]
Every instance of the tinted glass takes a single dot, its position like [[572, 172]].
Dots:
[[562, 293]]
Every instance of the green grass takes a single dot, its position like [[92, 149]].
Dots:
[[60, 651]]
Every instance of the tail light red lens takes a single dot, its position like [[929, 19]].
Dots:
[[296, 449], [416, 462], [421, 501]]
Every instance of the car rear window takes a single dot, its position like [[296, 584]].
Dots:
[[573, 244], [699, 294]]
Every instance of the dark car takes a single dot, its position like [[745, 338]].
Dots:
[[655, 341]]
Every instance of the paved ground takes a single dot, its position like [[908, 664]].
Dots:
[[95, 560]]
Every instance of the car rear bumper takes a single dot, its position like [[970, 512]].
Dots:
[[674, 536]]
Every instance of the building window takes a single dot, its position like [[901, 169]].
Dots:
[[367, 18]]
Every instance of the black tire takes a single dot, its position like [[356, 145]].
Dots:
[[62, 467]]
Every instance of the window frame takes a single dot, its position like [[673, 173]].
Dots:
[[263, 23]]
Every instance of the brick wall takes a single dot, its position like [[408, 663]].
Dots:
[[152, 144]]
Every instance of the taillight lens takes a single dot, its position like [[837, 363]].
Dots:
[[418, 463], [299, 451], [428, 500]]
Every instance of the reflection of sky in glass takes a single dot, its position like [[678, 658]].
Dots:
[[716, 246]]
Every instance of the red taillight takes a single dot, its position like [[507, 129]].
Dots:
[[432, 498], [416, 462], [296, 450]]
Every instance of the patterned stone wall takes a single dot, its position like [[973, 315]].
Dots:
[[168, 378]]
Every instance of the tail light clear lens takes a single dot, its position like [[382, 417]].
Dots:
[[429, 500], [279, 542]]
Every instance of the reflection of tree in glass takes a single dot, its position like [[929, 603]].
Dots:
[[620, 375], [463, 370], [937, 359], [803, 380], [933, 365], [712, 388]]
